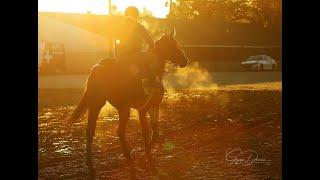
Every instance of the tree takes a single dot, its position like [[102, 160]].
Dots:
[[266, 13]]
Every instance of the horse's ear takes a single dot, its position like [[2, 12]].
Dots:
[[173, 33]]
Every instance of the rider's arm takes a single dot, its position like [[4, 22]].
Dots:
[[146, 36]]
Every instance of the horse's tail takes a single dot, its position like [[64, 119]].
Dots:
[[81, 108]]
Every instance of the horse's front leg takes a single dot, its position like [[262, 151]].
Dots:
[[154, 119], [124, 114], [145, 134]]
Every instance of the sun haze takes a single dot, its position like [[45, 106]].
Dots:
[[157, 7]]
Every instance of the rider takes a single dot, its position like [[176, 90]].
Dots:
[[129, 44], [131, 34]]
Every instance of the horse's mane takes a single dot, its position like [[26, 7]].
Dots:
[[167, 39]]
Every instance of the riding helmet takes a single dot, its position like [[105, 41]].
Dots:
[[132, 12]]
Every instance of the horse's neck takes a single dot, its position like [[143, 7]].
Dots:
[[156, 51], [160, 58]]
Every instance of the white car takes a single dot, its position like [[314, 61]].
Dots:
[[259, 62]]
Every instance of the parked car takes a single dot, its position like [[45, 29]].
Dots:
[[259, 62]]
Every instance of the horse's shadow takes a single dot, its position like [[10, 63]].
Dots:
[[134, 168], [91, 170]]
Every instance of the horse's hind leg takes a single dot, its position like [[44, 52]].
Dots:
[[94, 109], [145, 134], [124, 114]]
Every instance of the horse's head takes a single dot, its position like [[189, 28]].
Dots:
[[168, 49]]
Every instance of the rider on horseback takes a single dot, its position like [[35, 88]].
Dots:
[[131, 33], [129, 46]]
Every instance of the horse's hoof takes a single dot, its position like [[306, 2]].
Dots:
[[151, 167], [133, 173], [89, 163], [89, 160], [91, 173], [155, 137], [154, 140], [129, 162], [154, 170]]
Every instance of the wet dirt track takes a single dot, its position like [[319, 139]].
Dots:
[[205, 134]]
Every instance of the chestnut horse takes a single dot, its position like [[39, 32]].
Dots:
[[110, 81]]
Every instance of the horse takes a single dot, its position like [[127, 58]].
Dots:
[[110, 81]]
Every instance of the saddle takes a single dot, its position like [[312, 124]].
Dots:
[[145, 67], [142, 64]]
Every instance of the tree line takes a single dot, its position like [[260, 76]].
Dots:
[[265, 13]]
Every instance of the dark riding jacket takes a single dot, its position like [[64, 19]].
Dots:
[[130, 36]]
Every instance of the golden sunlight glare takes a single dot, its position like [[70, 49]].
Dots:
[[157, 7]]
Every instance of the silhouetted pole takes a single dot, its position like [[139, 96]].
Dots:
[[111, 41], [110, 7], [168, 3]]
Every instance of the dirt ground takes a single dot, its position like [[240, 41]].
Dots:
[[207, 134]]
